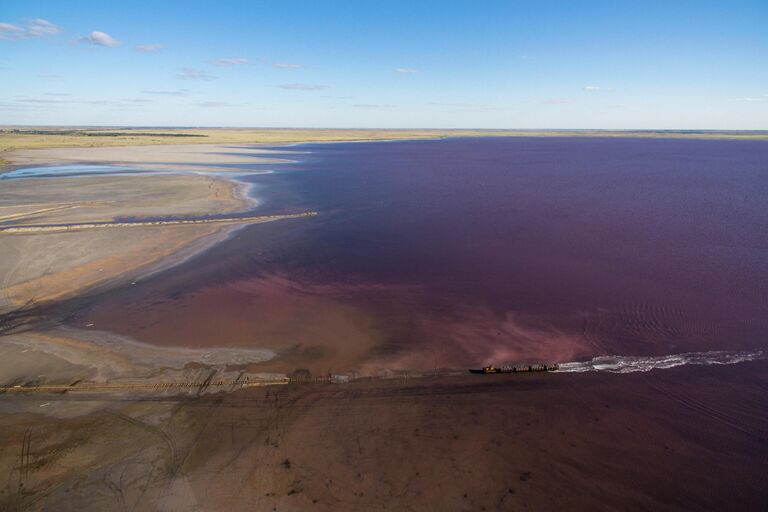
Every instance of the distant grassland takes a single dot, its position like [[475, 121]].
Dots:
[[12, 138]]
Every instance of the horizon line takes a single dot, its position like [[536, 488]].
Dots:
[[225, 127]]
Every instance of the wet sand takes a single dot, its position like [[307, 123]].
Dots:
[[689, 438], [41, 267], [186, 157]]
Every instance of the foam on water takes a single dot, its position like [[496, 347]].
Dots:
[[629, 364]]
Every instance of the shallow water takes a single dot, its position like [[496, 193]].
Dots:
[[52, 171], [466, 251]]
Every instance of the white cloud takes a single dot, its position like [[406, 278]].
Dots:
[[406, 71], [235, 61], [37, 27], [285, 65], [556, 101], [303, 87], [40, 27], [100, 39], [753, 99], [596, 88], [148, 48], [195, 74]]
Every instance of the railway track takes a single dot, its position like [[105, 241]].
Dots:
[[78, 226], [140, 386], [209, 382]]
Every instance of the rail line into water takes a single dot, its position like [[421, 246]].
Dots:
[[232, 384], [78, 226], [610, 364]]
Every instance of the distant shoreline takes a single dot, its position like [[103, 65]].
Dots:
[[14, 138]]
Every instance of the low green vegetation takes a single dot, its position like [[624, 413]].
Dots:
[[12, 138]]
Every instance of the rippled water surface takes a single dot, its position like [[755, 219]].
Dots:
[[465, 251]]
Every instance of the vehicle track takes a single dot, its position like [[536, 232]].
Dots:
[[729, 420]]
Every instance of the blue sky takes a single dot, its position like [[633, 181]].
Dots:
[[443, 64]]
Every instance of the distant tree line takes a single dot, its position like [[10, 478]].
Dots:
[[82, 133]]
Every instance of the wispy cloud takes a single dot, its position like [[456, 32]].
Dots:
[[467, 107], [10, 31], [234, 61], [58, 101], [37, 27], [40, 27], [148, 48], [556, 101], [16, 107], [456, 105], [372, 105], [215, 104], [285, 65], [753, 99], [99, 39], [57, 94], [195, 74], [177, 92], [596, 88], [406, 71], [42, 100], [303, 87], [50, 77]]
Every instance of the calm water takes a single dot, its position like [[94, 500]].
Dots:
[[466, 251], [52, 171]]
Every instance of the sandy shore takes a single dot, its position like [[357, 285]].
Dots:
[[51, 266], [187, 157], [690, 438], [63, 355], [42, 267]]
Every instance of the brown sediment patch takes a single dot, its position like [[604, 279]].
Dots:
[[478, 336], [308, 331], [328, 328]]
